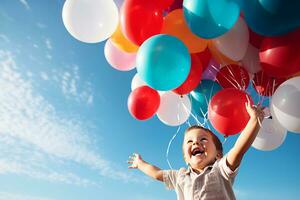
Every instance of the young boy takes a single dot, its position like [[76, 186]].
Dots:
[[209, 175]]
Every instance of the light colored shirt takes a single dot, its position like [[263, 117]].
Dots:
[[213, 183]]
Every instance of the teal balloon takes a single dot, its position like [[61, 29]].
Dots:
[[201, 96], [210, 18], [163, 62], [271, 17]]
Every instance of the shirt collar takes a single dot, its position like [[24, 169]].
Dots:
[[190, 170]]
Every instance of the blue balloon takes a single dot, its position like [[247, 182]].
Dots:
[[163, 62], [201, 96], [210, 18], [271, 17]]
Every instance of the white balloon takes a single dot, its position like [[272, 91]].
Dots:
[[90, 21], [137, 82], [174, 109], [270, 136], [234, 43], [285, 104], [251, 60]]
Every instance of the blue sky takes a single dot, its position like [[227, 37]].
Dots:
[[66, 133]]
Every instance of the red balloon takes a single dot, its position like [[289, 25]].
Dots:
[[255, 39], [227, 112], [233, 76], [140, 20], [266, 85], [162, 3], [193, 78], [143, 102], [280, 56], [205, 57], [177, 4]]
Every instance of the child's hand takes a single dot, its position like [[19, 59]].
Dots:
[[134, 160], [255, 112]]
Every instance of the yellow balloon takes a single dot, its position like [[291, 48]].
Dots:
[[174, 24], [122, 43], [219, 57]]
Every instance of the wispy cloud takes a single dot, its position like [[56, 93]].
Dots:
[[13, 196], [73, 88], [41, 25], [25, 3], [36, 141], [48, 43], [4, 38]]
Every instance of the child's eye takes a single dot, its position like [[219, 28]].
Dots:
[[204, 139], [189, 141]]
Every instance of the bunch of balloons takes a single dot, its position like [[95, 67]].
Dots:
[[200, 57]]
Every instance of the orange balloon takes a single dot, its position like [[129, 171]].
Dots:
[[122, 43], [219, 57], [175, 25]]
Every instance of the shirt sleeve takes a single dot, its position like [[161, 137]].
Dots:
[[226, 172], [170, 178]]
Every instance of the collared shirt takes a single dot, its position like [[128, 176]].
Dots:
[[213, 183]]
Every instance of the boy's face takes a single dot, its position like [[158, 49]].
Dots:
[[199, 149]]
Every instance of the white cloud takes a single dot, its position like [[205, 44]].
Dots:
[[44, 76], [48, 43], [13, 196], [36, 141], [73, 88], [25, 3], [48, 56], [4, 38], [41, 25]]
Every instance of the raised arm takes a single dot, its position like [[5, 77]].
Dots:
[[137, 162], [246, 137]]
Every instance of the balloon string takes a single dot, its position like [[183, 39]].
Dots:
[[169, 145]]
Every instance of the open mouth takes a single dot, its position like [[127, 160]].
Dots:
[[197, 151]]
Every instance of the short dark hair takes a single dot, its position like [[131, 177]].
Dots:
[[216, 140]]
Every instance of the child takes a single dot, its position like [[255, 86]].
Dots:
[[209, 174]]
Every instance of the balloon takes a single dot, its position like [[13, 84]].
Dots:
[[270, 136], [280, 56], [137, 82], [271, 17], [202, 95], [219, 57], [234, 43], [122, 43], [143, 102], [174, 110], [162, 4], [118, 59], [205, 57], [227, 112], [233, 76], [255, 39], [140, 20], [174, 24], [211, 71], [163, 62], [193, 78], [266, 85], [285, 104], [177, 4], [210, 18], [251, 60], [90, 21]]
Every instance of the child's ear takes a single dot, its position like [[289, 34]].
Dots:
[[219, 155]]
